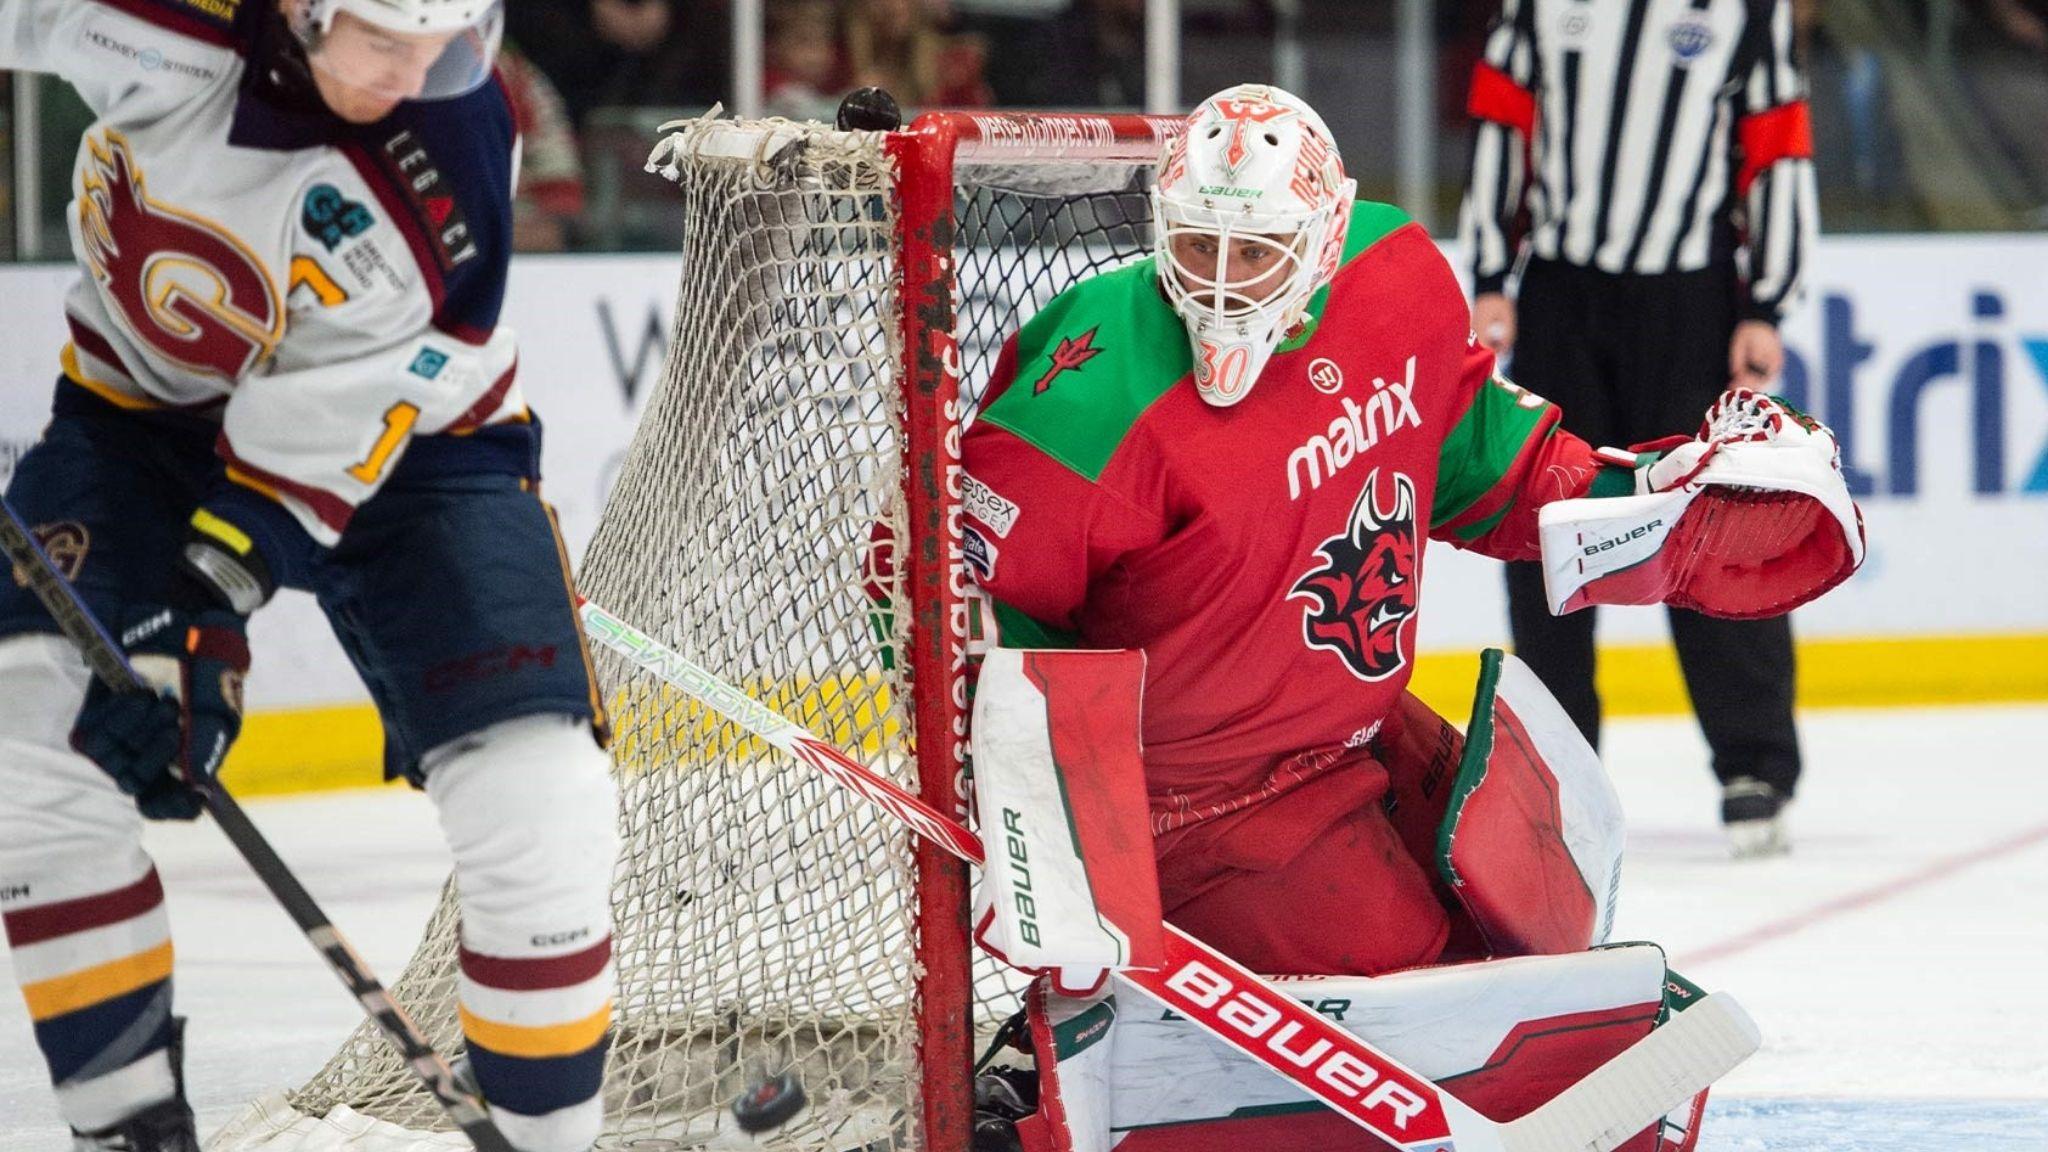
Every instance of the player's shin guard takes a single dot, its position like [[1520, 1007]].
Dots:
[[530, 813], [83, 910]]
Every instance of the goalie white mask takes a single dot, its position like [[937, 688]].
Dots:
[[400, 49], [1250, 212]]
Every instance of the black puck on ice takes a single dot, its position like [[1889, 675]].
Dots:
[[769, 1104], [869, 110]]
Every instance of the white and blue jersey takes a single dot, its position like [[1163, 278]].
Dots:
[[288, 325], [328, 292]]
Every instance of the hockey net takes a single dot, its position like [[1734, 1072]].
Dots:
[[842, 300]]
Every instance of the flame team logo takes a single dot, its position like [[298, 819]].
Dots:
[[65, 543], [185, 286], [1363, 596]]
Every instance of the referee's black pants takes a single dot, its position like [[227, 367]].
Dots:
[[1633, 358]]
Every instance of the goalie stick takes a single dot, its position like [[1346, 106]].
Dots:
[[1615, 1101], [108, 663]]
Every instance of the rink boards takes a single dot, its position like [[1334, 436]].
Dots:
[[1928, 354]]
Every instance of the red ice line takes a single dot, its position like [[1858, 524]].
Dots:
[[1878, 893]]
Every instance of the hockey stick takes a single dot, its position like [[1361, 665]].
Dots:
[[108, 663], [1615, 1101]]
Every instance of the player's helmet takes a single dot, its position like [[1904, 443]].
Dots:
[[381, 65], [1256, 163]]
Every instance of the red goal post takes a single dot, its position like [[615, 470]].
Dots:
[[929, 157]]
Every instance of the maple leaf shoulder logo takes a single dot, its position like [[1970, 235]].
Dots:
[[1071, 353], [1364, 594]]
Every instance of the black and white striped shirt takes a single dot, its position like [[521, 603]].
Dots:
[[1663, 135]]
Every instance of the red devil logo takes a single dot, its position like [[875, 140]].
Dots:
[[1362, 598], [184, 285]]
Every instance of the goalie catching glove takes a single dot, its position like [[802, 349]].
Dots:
[[1750, 518]]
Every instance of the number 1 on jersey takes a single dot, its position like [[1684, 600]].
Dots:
[[398, 422]]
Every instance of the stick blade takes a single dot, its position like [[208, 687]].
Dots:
[[1653, 1076]]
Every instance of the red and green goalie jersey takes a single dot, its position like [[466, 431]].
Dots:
[[1268, 556]]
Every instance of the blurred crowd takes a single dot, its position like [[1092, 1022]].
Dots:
[[569, 65], [592, 80]]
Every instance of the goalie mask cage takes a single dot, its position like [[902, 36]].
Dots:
[[842, 301]]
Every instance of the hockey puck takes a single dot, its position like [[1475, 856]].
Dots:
[[770, 1104], [869, 110]]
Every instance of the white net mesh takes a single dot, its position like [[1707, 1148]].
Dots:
[[764, 919]]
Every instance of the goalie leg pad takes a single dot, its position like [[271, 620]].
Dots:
[[83, 909], [1505, 1036], [1532, 838], [530, 812], [1060, 790], [1073, 1039]]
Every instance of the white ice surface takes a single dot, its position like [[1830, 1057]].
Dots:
[[265, 1011], [1897, 961]]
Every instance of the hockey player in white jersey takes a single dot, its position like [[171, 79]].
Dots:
[[292, 219]]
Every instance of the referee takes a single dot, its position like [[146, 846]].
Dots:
[[1649, 166]]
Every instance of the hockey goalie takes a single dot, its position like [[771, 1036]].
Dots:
[[1218, 468]]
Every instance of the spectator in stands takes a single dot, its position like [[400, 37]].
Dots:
[[806, 73], [2024, 22], [1013, 32], [897, 45], [549, 198], [626, 52], [1091, 55]]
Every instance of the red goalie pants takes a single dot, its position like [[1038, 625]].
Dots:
[[1312, 882], [1323, 879]]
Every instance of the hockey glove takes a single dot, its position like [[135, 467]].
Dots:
[[1750, 518], [195, 654], [156, 744]]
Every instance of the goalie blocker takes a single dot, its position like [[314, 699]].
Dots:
[[1527, 838]]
